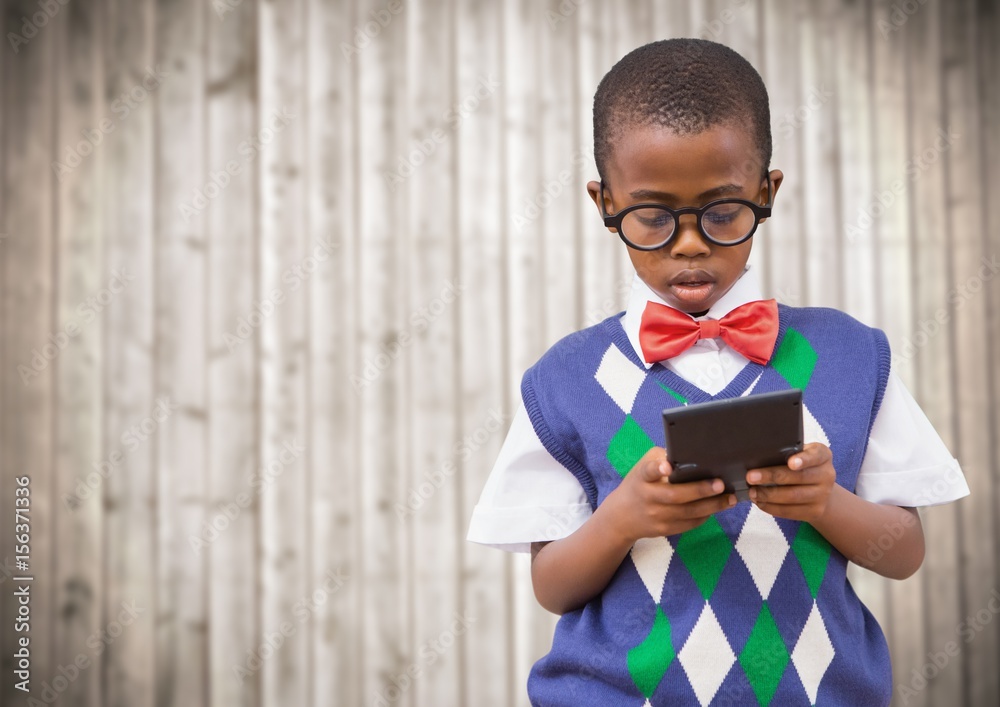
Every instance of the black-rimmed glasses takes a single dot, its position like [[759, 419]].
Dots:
[[725, 222]]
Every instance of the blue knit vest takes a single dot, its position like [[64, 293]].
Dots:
[[746, 608]]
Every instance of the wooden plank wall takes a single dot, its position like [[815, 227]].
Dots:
[[270, 272]]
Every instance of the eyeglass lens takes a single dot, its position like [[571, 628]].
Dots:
[[725, 223]]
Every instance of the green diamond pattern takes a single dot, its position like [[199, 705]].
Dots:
[[627, 446], [813, 553], [648, 661], [764, 657], [704, 551], [674, 394], [795, 359]]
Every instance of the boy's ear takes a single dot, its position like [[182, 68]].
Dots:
[[777, 176], [594, 189]]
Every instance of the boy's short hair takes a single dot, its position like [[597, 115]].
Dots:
[[686, 85]]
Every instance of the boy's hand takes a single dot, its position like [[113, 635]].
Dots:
[[802, 487], [647, 505]]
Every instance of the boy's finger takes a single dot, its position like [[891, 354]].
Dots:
[[812, 454], [792, 511], [773, 475], [783, 476], [655, 465], [796, 494], [692, 491], [705, 507]]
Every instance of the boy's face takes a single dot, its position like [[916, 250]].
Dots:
[[656, 165]]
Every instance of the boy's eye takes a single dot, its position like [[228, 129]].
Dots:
[[653, 218], [723, 215]]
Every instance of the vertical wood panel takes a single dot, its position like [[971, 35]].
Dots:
[[932, 361], [285, 260], [988, 26], [387, 618], [78, 519], [485, 415], [441, 104], [333, 529], [853, 90], [232, 223], [129, 376], [969, 348], [821, 175], [783, 238], [601, 249], [30, 308], [6, 469], [180, 439], [560, 161]]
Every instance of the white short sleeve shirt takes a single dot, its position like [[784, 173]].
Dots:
[[531, 497]]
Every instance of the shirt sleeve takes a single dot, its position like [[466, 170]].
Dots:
[[907, 462], [529, 496]]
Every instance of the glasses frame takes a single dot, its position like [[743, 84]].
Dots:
[[615, 220]]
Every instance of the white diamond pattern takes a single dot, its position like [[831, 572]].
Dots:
[[620, 378], [651, 557], [763, 548], [706, 656], [813, 653], [811, 430]]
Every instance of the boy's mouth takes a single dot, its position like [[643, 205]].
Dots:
[[692, 286]]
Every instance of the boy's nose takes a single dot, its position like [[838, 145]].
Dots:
[[688, 240]]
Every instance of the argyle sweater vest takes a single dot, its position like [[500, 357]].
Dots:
[[746, 608]]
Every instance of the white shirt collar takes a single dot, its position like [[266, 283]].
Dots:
[[745, 289]]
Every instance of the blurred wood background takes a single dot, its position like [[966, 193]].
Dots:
[[271, 272]]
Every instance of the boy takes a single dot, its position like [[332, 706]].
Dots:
[[676, 594]]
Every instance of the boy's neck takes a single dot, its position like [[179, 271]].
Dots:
[[698, 314]]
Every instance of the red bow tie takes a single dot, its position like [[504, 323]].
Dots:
[[751, 330]]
